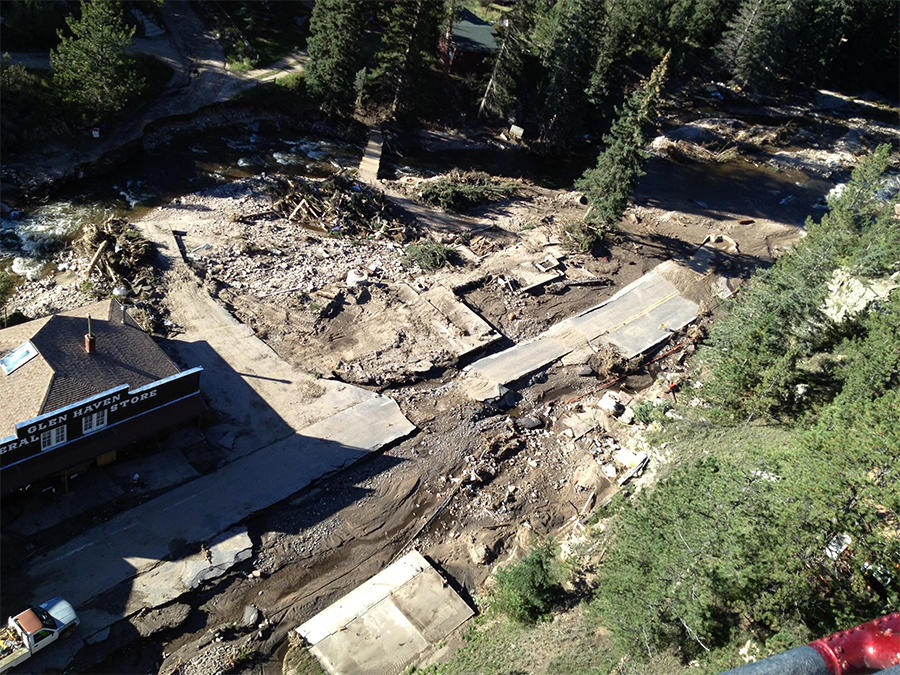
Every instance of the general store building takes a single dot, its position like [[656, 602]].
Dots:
[[75, 389]]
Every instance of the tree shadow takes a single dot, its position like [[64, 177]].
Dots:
[[687, 254], [719, 191]]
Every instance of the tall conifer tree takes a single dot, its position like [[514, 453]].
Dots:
[[408, 50], [569, 54], [91, 68], [609, 184], [505, 85], [334, 53]]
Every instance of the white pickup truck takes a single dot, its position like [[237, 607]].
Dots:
[[30, 631]]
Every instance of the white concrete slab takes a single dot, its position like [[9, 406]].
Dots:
[[633, 320], [383, 625], [651, 328], [519, 360], [465, 330], [368, 425]]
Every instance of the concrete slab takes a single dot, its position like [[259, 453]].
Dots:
[[368, 425], [514, 363], [168, 580], [582, 423], [383, 625], [260, 397], [139, 539], [371, 159], [158, 471], [465, 330], [633, 320], [648, 330]]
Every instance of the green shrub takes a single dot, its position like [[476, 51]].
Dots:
[[463, 190], [429, 255], [646, 412], [525, 590]]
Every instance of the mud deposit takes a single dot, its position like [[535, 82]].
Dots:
[[479, 481]]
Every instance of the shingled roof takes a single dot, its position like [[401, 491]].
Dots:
[[62, 372]]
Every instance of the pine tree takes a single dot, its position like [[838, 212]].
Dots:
[[334, 53], [7, 286], [753, 44], [568, 55], [408, 50], [609, 184], [92, 71], [506, 80], [795, 40]]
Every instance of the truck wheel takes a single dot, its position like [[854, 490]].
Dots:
[[67, 633]]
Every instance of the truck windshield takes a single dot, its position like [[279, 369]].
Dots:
[[44, 616]]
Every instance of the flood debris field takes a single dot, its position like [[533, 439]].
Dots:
[[318, 270]]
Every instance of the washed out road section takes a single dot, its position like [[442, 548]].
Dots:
[[635, 319], [140, 539], [278, 429]]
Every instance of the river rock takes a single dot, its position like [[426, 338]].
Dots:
[[529, 422], [250, 617]]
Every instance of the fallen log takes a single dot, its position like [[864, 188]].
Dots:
[[100, 249]]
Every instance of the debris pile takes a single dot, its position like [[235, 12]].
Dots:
[[121, 264], [340, 206], [460, 190], [118, 256]]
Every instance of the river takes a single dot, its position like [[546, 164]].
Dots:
[[149, 178]]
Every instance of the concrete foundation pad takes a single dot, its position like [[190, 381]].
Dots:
[[355, 427], [384, 625], [138, 540], [170, 579], [466, 331], [633, 320]]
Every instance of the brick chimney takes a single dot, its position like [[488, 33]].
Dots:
[[90, 342]]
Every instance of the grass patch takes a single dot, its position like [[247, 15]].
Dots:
[[463, 190], [429, 255], [694, 436], [299, 661], [495, 644]]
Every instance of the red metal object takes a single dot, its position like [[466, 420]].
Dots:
[[874, 645]]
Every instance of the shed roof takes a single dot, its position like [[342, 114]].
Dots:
[[472, 34], [63, 372]]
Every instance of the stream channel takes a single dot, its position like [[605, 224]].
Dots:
[[29, 237], [152, 178]]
